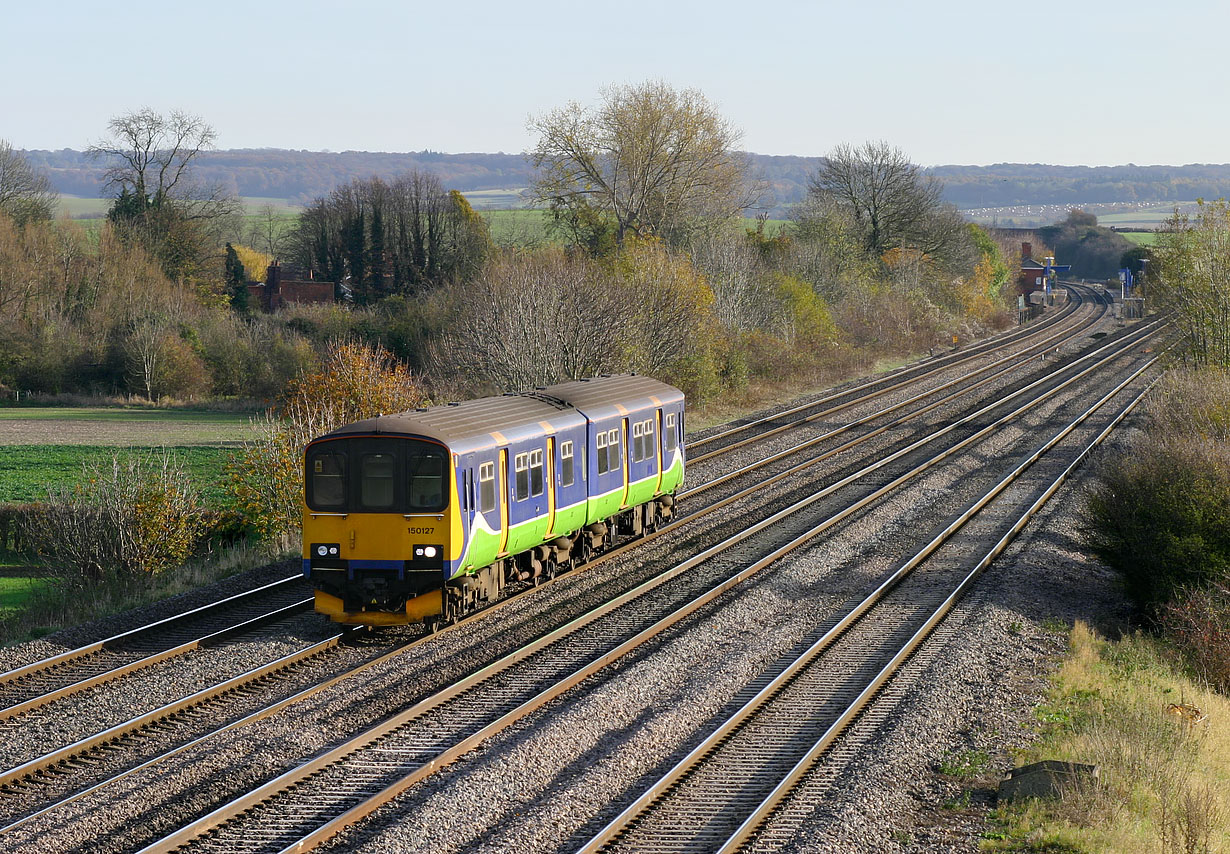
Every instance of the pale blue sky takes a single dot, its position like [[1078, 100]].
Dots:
[[951, 81]]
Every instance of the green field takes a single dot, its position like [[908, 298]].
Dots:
[[16, 592], [114, 427], [79, 207], [27, 470], [1141, 238], [48, 446]]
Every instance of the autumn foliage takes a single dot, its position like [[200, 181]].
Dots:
[[137, 517], [354, 381]]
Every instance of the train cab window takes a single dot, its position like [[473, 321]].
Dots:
[[521, 463], [376, 482], [566, 474], [612, 449], [669, 435], [603, 459], [651, 448], [425, 480], [638, 442], [327, 477], [486, 487], [535, 472]]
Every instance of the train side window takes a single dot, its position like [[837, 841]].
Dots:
[[521, 464], [486, 487], [669, 436], [638, 443], [327, 474], [651, 449], [612, 449], [536, 472], [565, 464], [376, 484], [603, 459]]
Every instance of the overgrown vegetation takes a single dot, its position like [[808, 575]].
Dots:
[[1164, 776], [264, 481], [1161, 517]]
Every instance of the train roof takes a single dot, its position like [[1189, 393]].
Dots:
[[605, 397], [473, 424]]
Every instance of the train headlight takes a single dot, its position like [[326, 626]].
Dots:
[[323, 551], [429, 551]]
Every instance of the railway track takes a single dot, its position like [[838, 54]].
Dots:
[[1057, 329], [726, 788], [370, 770], [33, 686], [30, 687], [235, 686]]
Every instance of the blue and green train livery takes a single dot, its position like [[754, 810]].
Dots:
[[427, 515]]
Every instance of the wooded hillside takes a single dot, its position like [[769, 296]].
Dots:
[[301, 176]]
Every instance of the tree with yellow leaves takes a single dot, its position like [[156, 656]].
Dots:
[[354, 381]]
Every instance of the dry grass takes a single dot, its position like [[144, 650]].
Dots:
[[1164, 784]]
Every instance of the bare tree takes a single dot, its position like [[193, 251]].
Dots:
[[25, 193], [891, 200], [268, 233], [149, 159], [150, 153], [531, 320], [648, 160]]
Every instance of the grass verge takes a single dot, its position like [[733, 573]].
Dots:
[[1164, 783]]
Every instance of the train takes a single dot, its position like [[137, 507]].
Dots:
[[428, 515]]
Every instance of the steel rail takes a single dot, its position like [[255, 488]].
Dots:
[[149, 661], [653, 795], [797, 773], [864, 397], [163, 712], [291, 778], [89, 649]]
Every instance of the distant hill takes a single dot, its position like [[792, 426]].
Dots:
[[301, 176]]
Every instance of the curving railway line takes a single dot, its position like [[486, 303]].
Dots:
[[899, 427]]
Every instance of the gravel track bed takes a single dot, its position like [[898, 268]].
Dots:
[[261, 751], [102, 765], [972, 688], [66, 721], [536, 786], [18, 655], [203, 777]]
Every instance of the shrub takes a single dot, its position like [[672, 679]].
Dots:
[[138, 517], [265, 480], [1199, 621], [1161, 517]]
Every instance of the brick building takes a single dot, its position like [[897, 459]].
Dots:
[[286, 284]]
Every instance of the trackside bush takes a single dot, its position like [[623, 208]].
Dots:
[[265, 480], [132, 519], [1161, 517]]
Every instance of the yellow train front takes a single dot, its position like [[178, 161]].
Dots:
[[427, 515]]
